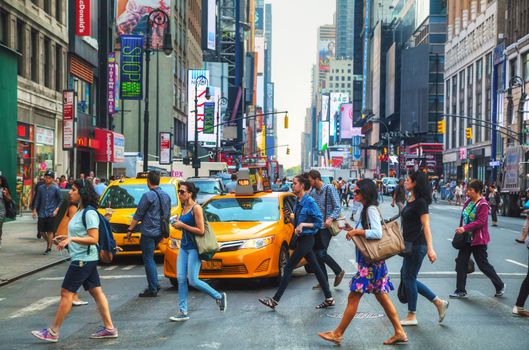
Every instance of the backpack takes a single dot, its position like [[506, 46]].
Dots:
[[107, 245]]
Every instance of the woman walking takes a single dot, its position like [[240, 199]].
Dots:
[[5, 197], [416, 230], [81, 241], [525, 228], [308, 220], [493, 197], [459, 193], [518, 309], [371, 278], [474, 224], [188, 263]]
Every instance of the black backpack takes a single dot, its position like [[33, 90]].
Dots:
[[164, 219]]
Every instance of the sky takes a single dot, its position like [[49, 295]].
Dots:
[[294, 48]]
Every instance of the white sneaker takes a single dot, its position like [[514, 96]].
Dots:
[[409, 322], [180, 317], [79, 303]]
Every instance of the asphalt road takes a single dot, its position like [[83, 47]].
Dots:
[[480, 321]]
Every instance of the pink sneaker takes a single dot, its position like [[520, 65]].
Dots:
[[46, 334], [104, 333]]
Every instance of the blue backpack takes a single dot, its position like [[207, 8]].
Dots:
[[107, 245]]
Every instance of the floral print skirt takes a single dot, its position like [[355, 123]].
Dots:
[[370, 278]]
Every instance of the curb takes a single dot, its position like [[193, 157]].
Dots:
[[27, 273]]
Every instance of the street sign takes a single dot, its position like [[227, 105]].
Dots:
[[495, 163]]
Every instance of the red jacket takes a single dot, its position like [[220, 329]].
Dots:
[[480, 226]]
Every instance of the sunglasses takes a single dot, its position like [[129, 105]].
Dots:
[[181, 191]]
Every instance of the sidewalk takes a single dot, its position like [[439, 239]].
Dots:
[[21, 251]]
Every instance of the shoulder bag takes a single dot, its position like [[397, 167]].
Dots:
[[164, 219], [464, 239], [207, 244], [389, 245], [334, 229]]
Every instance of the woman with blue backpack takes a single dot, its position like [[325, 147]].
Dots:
[[82, 241]]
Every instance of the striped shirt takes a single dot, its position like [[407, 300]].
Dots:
[[333, 204]]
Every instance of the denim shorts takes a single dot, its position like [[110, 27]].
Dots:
[[79, 274]]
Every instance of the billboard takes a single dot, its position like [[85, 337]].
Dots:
[[259, 18], [206, 136], [346, 121], [209, 30], [111, 83], [131, 67], [68, 113], [324, 135], [336, 99], [82, 18], [166, 148], [132, 18], [326, 50], [324, 107]]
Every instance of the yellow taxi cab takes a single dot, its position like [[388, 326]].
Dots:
[[253, 229], [122, 197]]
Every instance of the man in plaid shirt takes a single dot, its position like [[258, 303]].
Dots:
[[328, 200]]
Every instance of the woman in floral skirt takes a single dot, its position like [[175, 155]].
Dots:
[[370, 278]]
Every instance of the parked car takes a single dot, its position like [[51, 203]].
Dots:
[[389, 184], [208, 187]]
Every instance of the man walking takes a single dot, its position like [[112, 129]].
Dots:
[[40, 182], [48, 200], [100, 186], [328, 200], [399, 195], [152, 205]]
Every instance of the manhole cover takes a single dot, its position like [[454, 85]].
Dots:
[[359, 315]]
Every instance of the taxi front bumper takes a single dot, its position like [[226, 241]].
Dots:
[[240, 263], [132, 246]]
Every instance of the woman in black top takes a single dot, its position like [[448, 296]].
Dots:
[[416, 231]]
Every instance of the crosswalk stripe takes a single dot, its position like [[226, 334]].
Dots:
[[110, 277], [2, 299], [516, 263], [111, 268], [36, 306], [130, 267]]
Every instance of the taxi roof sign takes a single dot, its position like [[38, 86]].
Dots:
[[244, 186]]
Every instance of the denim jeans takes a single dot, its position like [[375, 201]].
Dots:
[[148, 245], [188, 266], [410, 269]]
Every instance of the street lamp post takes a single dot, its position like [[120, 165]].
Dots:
[[159, 18], [221, 102], [517, 81], [378, 120], [200, 80]]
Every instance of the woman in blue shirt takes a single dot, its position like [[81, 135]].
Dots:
[[371, 278], [188, 262], [307, 221]]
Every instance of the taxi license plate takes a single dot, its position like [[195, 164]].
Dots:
[[212, 265]]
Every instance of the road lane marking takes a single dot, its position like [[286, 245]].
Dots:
[[516, 263], [36, 306], [449, 239], [116, 277], [444, 273], [353, 262], [111, 268], [2, 299], [128, 268]]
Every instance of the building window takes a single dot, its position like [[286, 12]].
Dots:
[[349, 78], [20, 47], [343, 78], [330, 85], [330, 78], [343, 85], [525, 66], [479, 98], [47, 61], [47, 6], [58, 10], [488, 97], [3, 27], [461, 108], [470, 97], [58, 68], [348, 85], [34, 56]]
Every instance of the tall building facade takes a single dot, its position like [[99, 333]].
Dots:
[[38, 32], [475, 28], [345, 17]]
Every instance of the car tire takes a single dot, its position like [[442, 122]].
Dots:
[[282, 262]]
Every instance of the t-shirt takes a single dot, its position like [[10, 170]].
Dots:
[[77, 229], [400, 194], [412, 229]]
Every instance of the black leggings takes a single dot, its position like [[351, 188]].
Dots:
[[480, 254], [524, 291], [303, 250]]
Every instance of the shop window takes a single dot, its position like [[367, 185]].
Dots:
[[58, 10], [58, 69], [20, 47]]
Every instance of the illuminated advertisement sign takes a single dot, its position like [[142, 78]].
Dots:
[[82, 18], [131, 67], [327, 49], [337, 98], [165, 148], [346, 121], [68, 112], [111, 83]]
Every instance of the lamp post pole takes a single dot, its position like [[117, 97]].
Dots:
[[200, 80], [378, 120], [221, 102], [159, 18]]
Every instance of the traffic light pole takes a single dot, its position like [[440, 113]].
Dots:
[[507, 130]]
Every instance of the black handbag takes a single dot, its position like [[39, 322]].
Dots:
[[408, 247], [461, 241], [164, 219], [471, 268], [401, 292]]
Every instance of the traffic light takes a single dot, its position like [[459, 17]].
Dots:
[[441, 126], [286, 121], [288, 150], [468, 133]]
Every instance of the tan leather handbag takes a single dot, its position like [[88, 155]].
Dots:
[[391, 243]]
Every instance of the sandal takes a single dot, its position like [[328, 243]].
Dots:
[[519, 240], [271, 303], [326, 303], [396, 340], [329, 336]]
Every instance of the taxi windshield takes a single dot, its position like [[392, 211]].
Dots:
[[242, 210], [208, 187], [128, 196]]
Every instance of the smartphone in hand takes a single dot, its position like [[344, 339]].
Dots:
[[59, 239]]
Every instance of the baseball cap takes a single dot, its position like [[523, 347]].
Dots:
[[49, 173]]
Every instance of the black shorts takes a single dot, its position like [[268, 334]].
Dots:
[[46, 224], [81, 274]]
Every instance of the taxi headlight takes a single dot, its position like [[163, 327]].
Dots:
[[258, 242]]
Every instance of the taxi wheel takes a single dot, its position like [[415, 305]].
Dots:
[[282, 262]]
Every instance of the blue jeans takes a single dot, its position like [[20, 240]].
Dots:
[[188, 266], [148, 245], [410, 269]]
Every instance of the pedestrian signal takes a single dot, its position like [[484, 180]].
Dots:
[[468, 133], [441, 126]]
